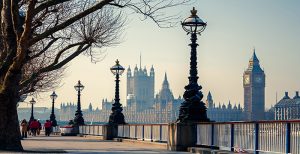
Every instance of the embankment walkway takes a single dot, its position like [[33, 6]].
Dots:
[[74, 144]]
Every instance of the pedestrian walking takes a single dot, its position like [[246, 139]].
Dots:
[[24, 126], [48, 126], [34, 125], [38, 131]]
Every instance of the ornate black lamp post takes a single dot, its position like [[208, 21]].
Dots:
[[53, 96], [117, 117], [193, 109], [32, 102], [78, 120]]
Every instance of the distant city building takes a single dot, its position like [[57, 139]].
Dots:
[[270, 114], [288, 108], [67, 111], [140, 88], [164, 108], [254, 90], [143, 107], [38, 113], [223, 113]]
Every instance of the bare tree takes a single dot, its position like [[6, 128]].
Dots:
[[38, 38]]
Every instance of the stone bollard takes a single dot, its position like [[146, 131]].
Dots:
[[110, 131], [182, 136]]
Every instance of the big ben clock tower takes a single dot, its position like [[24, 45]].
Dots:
[[254, 90]]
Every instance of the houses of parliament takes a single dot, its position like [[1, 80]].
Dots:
[[143, 106]]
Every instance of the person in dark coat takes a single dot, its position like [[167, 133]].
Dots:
[[34, 125], [24, 126], [48, 126], [38, 131]]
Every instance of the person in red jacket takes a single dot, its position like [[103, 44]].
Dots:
[[34, 125], [48, 126]]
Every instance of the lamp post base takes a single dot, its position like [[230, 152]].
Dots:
[[181, 136], [78, 120], [116, 118], [192, 109]]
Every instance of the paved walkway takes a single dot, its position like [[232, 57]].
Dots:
[[63, 144]]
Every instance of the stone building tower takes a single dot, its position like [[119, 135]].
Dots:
[[209, 101], [254, 90], [140, 88]]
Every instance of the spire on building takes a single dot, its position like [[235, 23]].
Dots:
[[223, 106], [129, 72], [229, 105], [90, 107], [152, 71], [235, 107], [254, 63], [209, 101], [165, 83], [254, 57], [135, 70], [145, 71], [209, 97], [140, 61]]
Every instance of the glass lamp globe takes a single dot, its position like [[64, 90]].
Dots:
[[79, 86], [117, 69], [32, 101], [53, 96], [193, 24]]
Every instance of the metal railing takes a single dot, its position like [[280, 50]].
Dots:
[[145, 132], [262, 136], [95, 130]]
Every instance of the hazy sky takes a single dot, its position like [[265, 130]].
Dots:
[[234, 29]]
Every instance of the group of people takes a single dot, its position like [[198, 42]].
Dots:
[[34, 127]]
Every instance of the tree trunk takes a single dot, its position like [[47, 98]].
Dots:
[[9, 123], [10, 136]]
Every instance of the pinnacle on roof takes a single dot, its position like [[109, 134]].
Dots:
[[254, 63], [165, 82], [297, 95], [129, 69], [135, 68], [209, 97], [286, 96], [152, 69], [254, 57], [235, 107]]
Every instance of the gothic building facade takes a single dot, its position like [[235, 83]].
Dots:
[[67, 111], [287, 108], [163, 109], [140, 88], [223, 113], [254, 90]]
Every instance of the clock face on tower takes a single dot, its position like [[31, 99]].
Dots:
[[258, 79], [247, 79]]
